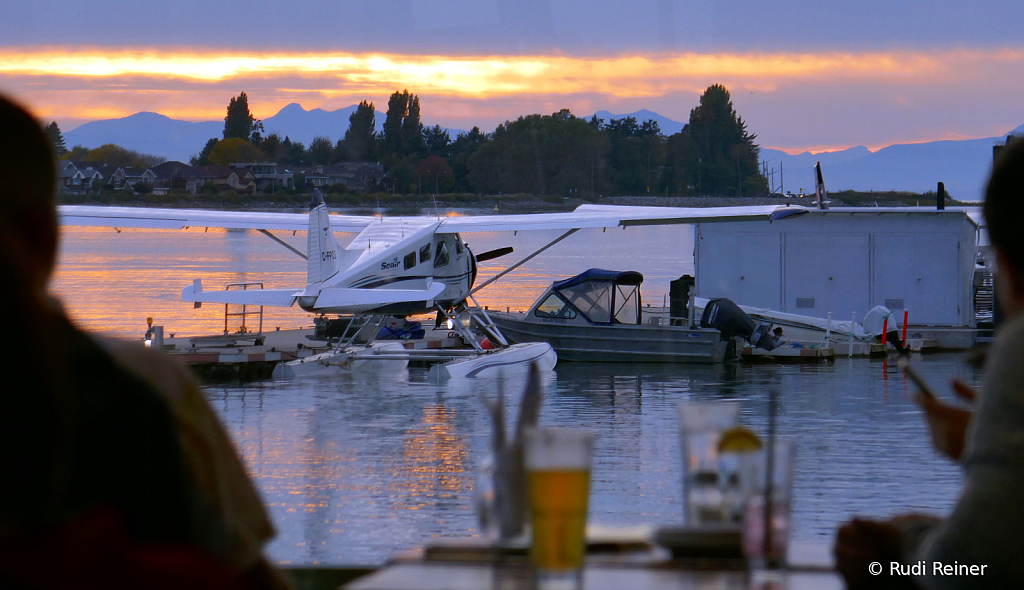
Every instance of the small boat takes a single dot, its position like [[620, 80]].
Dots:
[[501, 362], [597, 316]]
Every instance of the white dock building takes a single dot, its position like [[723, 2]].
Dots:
[[846, 261]]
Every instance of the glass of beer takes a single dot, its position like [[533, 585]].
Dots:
[[557, 464]]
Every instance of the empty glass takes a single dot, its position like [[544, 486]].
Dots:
[[705, 499]]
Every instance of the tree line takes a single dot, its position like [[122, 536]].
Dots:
[[557, 154]]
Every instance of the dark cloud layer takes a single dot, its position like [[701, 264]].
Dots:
[[522, 26]]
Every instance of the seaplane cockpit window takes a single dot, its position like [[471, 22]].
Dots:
[[593, 298], [410, 260], [425, 254], [554, 307], [441, 255], [458, 246], [627, 304]]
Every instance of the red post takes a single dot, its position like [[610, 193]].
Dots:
[[906, 315], [885, 328]]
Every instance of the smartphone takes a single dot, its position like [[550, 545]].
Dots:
[[909, 371]]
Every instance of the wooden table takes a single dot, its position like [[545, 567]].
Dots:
[[812, 573]]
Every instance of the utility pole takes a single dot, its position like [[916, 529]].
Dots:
[[782, 181], [700, 190]]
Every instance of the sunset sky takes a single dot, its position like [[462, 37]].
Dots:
[[805, 75]]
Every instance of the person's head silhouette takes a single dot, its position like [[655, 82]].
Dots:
[[28, 216]]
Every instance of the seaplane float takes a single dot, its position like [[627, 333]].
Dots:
[[400, 266]]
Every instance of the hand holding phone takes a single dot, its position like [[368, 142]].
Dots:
[[911, 372]]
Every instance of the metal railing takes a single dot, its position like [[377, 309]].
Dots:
[[245, 313]]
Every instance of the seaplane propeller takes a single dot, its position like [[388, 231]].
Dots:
[[492, 254]]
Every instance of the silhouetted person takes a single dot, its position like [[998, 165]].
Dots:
[[116, 472], [986, 526]]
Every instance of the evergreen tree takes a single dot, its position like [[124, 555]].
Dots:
[[360, 140], [56, 139], [437, 140], [320, 150], [398, 107], [271, 148], [726, 153], [204, 156], [412, 128], [403, 131], [461, 150], [240, 123], [293, 154]]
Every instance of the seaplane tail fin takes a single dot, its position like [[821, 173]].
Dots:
[[269, 297], [819, 188], [324, 256]]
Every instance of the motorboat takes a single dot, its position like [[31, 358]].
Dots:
[[598, 316]]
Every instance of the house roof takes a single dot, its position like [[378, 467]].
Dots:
[[173, 169], [216, 170], [131, 171]]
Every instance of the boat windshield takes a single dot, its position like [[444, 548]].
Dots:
[[593, 298], [627, 304], [555, 307]]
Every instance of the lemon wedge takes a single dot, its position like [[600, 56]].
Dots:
[[738, 440]]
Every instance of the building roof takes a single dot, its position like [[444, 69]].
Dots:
[[216, 170], [173, 169]]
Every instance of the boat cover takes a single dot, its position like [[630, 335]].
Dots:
[[628, 277]]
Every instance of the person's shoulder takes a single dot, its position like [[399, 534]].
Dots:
[[154, 367]]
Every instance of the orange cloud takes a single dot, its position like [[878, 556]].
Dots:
[[481, 77]]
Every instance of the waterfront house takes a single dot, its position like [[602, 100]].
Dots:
[[174, 175], [266, 176], [79, 178], [358, 177], [127, 178]]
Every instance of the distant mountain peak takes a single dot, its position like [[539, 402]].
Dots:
[[292, 107]]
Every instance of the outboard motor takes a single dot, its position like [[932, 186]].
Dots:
[[727, 317]]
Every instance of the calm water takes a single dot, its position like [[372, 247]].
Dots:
[[358, 467]]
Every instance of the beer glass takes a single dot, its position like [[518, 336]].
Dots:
[[557, 464]]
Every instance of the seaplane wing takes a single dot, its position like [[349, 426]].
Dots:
[[354, 298], [587, 216], [145, 217]]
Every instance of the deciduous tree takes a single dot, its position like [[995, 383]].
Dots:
[[116, 155], [234, 150]]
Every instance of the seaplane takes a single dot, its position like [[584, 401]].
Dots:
[[400, 266]]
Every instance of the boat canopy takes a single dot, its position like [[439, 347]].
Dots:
[[601, 296]]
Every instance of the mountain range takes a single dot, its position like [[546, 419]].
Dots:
[[962, 165]]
